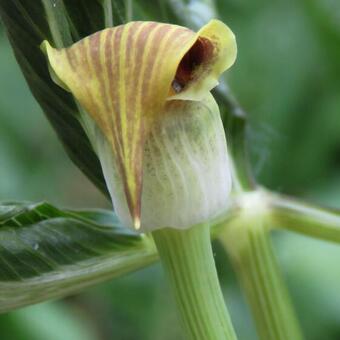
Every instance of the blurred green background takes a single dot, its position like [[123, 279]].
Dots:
[[287, 77]]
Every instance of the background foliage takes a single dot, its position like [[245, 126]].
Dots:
[[286, 77]]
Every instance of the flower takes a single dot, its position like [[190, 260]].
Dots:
[[145, 88]]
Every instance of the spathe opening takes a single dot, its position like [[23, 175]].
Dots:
[[189, 67]]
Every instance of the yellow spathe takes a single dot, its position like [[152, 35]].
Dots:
[[123, 77]]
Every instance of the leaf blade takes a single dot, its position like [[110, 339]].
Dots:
[[48, 253]]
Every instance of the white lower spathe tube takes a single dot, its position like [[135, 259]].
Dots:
[[186, 171]]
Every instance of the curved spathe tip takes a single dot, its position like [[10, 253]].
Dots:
[[213, 52]]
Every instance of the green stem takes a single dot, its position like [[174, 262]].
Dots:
[[58, 24], [128, 10], [107, 6], [188, 260], [255, 264], [235, 123], [305, 218]]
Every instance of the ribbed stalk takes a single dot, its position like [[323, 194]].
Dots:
[[255, 264], [187, 258], [305, 218]]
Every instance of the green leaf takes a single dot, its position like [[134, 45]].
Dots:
[[48, 253], [27, 25]]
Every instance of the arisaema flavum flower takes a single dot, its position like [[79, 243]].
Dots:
[[145, 91]]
